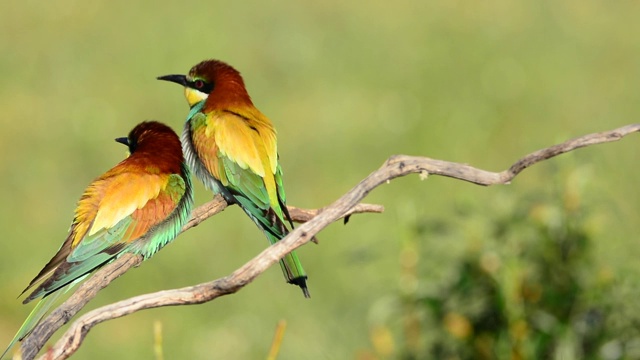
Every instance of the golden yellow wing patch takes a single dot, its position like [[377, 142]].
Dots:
[[108, 200], [246, 137], [238, 141]]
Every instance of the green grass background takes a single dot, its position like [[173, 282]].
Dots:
[[347, 85]]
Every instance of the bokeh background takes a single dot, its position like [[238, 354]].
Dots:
[[544, 267]]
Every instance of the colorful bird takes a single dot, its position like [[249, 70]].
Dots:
[[138, 207], [232, 148]]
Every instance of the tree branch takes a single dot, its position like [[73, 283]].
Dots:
[[32, 344], [395, 166]]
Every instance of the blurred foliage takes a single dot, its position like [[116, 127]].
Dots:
[[347, 84], [529, 289]]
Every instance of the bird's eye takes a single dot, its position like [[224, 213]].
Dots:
[[199, 84]]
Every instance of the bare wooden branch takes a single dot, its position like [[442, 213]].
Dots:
[[31, 345], [395, 166]]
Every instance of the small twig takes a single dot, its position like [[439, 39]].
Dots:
[[157, 340], [277, 340], [394, 167]]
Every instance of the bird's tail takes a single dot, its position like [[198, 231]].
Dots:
[[275, 229], [39, 312], [291, 267], [34, 318]]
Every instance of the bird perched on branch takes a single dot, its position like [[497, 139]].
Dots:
[[138, 207], [232, 148]]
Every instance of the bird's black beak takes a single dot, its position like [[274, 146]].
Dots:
[[123, 140], [178, 79]]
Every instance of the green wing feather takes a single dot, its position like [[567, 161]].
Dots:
[[244, 182], [251, 194], [179, 190], [280, 185], [92, 252]]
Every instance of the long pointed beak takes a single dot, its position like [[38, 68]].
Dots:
[[123, 140], [178, 79]]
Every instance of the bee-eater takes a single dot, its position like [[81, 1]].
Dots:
[[232, 148], [138, 207]]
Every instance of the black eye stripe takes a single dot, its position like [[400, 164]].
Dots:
[[201, 85]]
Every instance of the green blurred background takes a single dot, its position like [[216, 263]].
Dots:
[[347, 85]]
